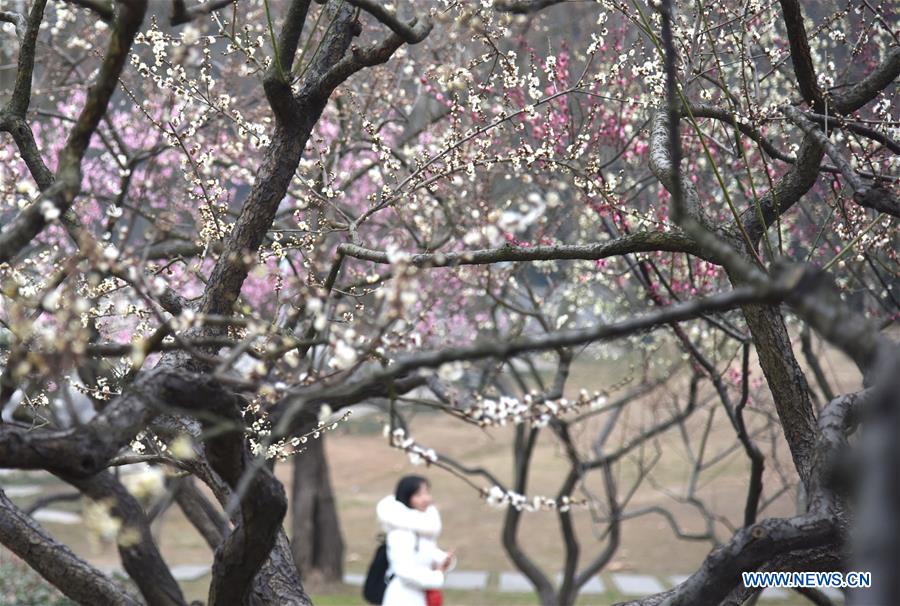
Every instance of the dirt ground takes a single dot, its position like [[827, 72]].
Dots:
[[364, 469]]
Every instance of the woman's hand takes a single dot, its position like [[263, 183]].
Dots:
[[445, 565]]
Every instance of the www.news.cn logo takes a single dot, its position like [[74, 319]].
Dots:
[[794, 580]]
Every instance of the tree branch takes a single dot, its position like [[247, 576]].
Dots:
[[868, 88], [208, 520], [859, 129], [21, 95], [875, 197], [181, 14], [753, 547], [56, 562], [262, 507], [278, 580], [662, 163], [18, 20], [523, 451], [368, 57], [800, 55], [524, 7], [632, 243], [87, 449], [101, 8], [351, 391], [786, 192], [276, 82], [274, 176], [409, 32]]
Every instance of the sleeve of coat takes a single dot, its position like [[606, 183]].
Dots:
[[397, 515], [402, 556]]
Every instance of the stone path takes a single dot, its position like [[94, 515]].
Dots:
[[514, 582], [57, 516], [19, 492], [595, 585], [188, 572], [466, 579], [628, 584], [637, 584]]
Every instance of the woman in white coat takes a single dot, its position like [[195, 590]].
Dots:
[[412, 525]]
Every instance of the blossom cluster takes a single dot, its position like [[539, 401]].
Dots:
[[531, 408], [260, 431], [417, 454], [497, 496]]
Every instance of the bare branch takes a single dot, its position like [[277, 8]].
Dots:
[[410, 32], [21, 95], [753, 547], [801, 56], [881, 199], [50, 499], [632, 243], [101, 8], [523, 451], [524, 7], [869, 87], [368, 57], [859, 129], [19, 21], [181, 14], [208, 520]]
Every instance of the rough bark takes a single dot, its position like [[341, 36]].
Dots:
[[57, 563], [277, 581], [786, 382]]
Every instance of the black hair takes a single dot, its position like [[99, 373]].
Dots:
[[407, 487]]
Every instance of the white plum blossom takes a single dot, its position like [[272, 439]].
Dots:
[[505, 410], [417, 454], [145, 484], [345, 355], [49, 210], [496, 496], [452, 371], [325, 413]]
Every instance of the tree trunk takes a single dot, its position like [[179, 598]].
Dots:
[[316, 542]]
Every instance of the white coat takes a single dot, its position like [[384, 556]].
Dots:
[[412, 552]]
